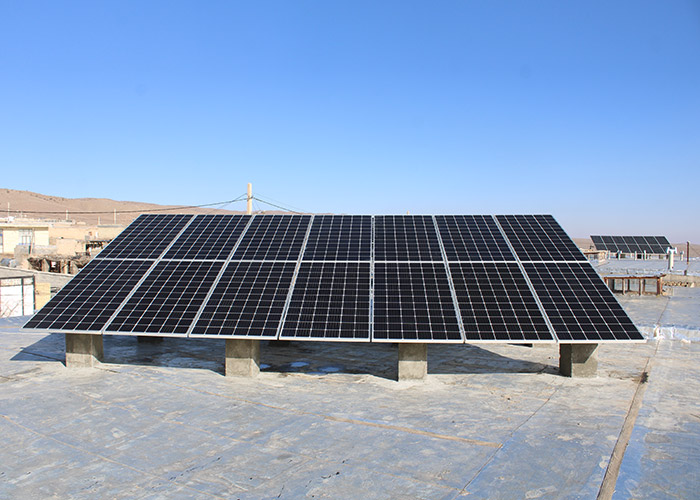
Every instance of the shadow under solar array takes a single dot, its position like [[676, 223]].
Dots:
[[451, 278], [632, 244]]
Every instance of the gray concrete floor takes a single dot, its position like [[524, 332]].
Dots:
[[327, 420]]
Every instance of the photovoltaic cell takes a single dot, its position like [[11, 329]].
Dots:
[[579, 305], [496, 303], [248, 301], [273, 237], [406, 238], [472, 238], [330, 301], [209, 237], [539, 238], [632, 244], [168, 299], [146, 237], [339, 237], [88, 301], [412, 302]]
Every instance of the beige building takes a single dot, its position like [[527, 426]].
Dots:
[[25, 233]]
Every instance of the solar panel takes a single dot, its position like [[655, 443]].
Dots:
[[168, 299], [247, 302], [632, 244], [662, 244], [539, 238], [273, 237], [146, 237], [406, 238], [88, 301], [472, 238], [331, 300], [353, 278], [496, 303], [413, 302], [209, 237], [579, 305], [340, 238]]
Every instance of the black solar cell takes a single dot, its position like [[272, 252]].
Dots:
[[539, 238], [273, 237], [496, 303], [406, 238], [472, 238], [209, 237], [146, 237], [167, 301], [88, 301], [330, 300], [413, 302], [340, 238], [579, 305], [247, 302], [631, 244]]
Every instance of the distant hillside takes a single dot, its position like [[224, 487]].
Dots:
[[43, 206]]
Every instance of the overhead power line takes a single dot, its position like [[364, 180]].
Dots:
[[240, 198], [278, 206]]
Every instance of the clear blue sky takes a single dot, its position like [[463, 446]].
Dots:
[[586, 110]]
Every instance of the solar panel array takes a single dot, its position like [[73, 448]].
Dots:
[[446, 278], [632, 244]]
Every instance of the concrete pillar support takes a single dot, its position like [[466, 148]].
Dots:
[[578, 360], [242, 357], [83, 350], [413, 361]]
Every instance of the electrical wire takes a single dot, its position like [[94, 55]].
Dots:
[[292, 208], [278, 206], [240, 198]]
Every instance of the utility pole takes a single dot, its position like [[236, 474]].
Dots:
[[249, 204], [115, 216]]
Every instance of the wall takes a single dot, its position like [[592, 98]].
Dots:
[[11, 238], [82, 232], [16, 297]]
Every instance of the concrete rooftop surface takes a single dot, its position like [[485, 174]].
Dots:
[[328, 420]]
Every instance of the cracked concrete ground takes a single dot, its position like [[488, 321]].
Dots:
[[328, 420]]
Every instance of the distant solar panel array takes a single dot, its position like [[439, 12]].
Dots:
[[444, 278], [632, 244]]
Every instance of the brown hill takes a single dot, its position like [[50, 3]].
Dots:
[[41, 206]]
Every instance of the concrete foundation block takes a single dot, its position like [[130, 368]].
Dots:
[[242, 357], [83, 350], [578, 360], [413, 361]]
